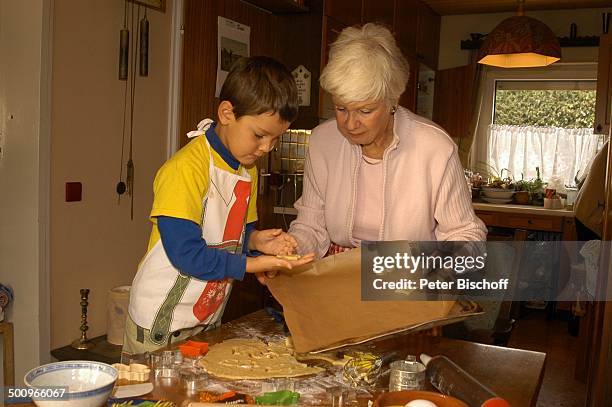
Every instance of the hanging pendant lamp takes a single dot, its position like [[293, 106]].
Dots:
[[520, 42]]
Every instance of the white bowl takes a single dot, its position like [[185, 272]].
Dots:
[[89, 384], [498, 193]]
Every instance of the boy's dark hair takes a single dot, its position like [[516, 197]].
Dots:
[[260, 84]]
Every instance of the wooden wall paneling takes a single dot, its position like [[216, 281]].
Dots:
[[200, 52], [331, 30], [263, 24], [454, 100], [249, 295], [378, 11], [199, 64], [198, 93], [298, 43], [299, 39], [347, 12], [405, 25]]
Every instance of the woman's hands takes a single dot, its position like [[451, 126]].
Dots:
[[272, 241]]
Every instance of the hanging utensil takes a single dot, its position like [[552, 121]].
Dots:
[[124, 50], [144, 46], [130, 164], [124, 47]]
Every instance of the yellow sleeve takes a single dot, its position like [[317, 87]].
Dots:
[[181, 183], [252, 209]]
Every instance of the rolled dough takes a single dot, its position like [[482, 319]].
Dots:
[[253, 359]]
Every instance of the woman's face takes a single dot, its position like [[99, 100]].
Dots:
[[363, 123]]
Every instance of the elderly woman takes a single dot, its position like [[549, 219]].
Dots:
[[378, 171]]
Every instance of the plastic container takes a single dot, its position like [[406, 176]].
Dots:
[[450, 379], [193, 348]]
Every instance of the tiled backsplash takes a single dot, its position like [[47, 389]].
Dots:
[[287, 165], [288, 157]]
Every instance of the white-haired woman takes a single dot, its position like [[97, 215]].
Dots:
[[378, 171]]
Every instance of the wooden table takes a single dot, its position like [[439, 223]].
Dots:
[[528, 217], [514, 374]]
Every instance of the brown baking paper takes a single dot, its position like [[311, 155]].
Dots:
[[323, 308]]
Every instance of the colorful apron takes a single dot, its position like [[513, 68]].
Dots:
[[162, 299]]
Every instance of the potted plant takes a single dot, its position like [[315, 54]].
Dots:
[[536, 189], [522, 187], [530, 192]]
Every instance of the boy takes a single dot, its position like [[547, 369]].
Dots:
[[204, 211]]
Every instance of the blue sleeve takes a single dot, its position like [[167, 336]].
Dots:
[[188, 252], [250, 227]]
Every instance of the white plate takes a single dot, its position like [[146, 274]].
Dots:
[[497, 200], [132, 390]]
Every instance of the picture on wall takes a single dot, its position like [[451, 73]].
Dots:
[[233, 44]]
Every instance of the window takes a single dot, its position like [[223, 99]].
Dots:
[[543, 124], [527, 141]]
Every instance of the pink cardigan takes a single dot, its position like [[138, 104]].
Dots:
[[425, 196]]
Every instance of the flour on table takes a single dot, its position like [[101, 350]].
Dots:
[[253, 359]]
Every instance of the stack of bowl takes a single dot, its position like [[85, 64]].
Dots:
[[497, 195]]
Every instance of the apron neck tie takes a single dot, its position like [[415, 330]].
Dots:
[[202, 127]]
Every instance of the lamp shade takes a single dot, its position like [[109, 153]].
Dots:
[[520, 42]]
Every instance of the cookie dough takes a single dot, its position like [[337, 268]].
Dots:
[[253, 359]]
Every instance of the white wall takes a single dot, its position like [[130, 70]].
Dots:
[[65, 124], [24, 109], [94, 243], [458, 27]]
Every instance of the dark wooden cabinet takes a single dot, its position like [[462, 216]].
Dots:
[[454, 100], [428, 36], [417, 28], [604, 83]]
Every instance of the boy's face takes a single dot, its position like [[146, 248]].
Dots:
[[250, 137]]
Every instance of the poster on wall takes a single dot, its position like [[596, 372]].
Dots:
[[234, 43]]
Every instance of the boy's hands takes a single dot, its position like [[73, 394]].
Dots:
[[271, 264], [272, 241]]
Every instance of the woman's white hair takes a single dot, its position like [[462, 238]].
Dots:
[[365, 63]]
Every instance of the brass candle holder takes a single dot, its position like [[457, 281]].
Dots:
[[83, 343]]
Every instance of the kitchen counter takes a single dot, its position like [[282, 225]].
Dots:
[[522, 209]]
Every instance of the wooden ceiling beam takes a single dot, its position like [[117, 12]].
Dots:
[[449, 7]]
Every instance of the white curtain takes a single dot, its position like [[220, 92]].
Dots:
[[558, 152]]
